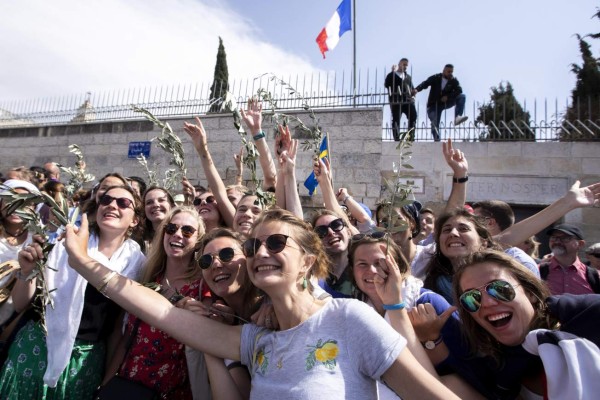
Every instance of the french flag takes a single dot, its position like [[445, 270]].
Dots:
[[340, 23]]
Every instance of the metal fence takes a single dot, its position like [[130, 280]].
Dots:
[[319, 91]]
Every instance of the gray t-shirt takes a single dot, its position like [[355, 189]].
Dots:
[[337, 353]]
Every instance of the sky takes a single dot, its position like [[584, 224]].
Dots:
[[67, 47]]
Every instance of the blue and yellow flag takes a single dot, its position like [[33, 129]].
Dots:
[[311, 182]]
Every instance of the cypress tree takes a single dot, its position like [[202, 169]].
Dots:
[[220, 84]]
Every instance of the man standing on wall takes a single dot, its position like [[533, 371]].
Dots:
[[445, 93], [400, 90]]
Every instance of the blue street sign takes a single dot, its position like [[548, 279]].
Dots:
[[137, 148]]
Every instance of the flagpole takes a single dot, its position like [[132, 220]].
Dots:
[[353, 52], [330, 162]]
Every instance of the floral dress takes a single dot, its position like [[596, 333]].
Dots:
[[156, 359]]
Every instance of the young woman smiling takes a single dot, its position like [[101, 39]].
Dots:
[[510, 319], [69, 361], [154, 358], [320, 350]]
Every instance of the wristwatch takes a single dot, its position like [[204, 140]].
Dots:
[[431, 344]]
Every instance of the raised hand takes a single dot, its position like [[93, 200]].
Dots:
[[196, 133], [455, 159], [427, 324], [321, 169], [342, 194], [189, 193], [287, 159], [31, 254], [583, 196], [388, 281], [252, 117], [283, 141], [76, 240]]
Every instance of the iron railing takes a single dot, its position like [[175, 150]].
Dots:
[[321, 91]]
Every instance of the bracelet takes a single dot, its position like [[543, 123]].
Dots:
[[258, 136], [399, 306], [460, 180], [104, 286], [346, 198], [29, 277]]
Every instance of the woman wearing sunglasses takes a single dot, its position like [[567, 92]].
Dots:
[[459, 233], [157, 204], [320, 351], [154, 358], [68, 362], [223, 267], [366, 255], [501, 303]]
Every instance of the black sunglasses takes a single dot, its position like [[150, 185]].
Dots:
[[187, 231], [374, 235], [597, 255], [274, 244], [209, 200], [336, 225], [498, 289], [225, 255], [122, 202]]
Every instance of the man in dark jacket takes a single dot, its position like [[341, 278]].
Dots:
[[400, 87], [445, 93]]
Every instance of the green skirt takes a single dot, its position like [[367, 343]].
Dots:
[[23, 372]]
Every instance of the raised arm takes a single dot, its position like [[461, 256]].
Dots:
[[195, 331], [287, 166], [252, 117], [576, 197], [323, 175], [217, 187], [457, 161], [355, 209], [239, 166]]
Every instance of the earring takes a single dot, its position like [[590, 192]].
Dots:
[[304, 283]]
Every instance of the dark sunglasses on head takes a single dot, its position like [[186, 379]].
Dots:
[[274, 244], [187, 231], [122, 202], [225, 255], [498, 289], [373, 235], [209, 200], [336, 225]]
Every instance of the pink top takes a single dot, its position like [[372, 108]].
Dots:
[[569, 279]]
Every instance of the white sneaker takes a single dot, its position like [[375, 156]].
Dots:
[[460, 119]]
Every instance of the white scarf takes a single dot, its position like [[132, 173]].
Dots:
[[63, 320]]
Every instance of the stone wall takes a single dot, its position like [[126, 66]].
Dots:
[[516, 172]]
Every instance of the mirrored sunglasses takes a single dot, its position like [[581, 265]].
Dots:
[[187, 231], [498, 289], [336, 225], [122, 202], [225, 255], [274, 244], [209, 200]]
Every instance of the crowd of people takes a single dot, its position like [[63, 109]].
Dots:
[[215, 293]]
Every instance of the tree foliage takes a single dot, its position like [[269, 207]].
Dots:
[[220, 84], [504, 117], [582, 117]]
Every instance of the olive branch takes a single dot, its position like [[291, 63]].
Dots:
[[23, 205], [77, 174], [172, 145]]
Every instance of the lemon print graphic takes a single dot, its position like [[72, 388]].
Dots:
[[324, 353]]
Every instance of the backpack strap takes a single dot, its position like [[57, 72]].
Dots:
[[593, 278], [544, 270]]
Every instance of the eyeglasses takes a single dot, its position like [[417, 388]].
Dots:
[[187, 231], [274, 244], [373, 235], [562, 239], [336, 225], [498, 289], [122, 202], [225, 255], [209, 200]]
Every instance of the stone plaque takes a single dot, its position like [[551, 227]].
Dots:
[[512, 189]]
